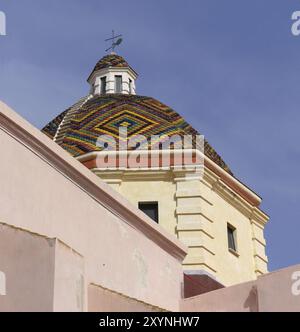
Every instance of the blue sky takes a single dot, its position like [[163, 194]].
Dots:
[[231, 68]]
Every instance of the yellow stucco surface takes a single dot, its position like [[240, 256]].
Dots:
[[197, 211]]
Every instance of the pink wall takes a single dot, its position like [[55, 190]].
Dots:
[[42, 274], [69, 293], [275, 290], [46, 275], [46, 191], [104, 300], [270, 292], [27, 260]]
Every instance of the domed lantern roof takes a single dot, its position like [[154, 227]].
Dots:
[[106, 109], [78, 128]]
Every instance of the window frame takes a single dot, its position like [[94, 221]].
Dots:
[[103, 82], [121, 83], [130, 86], [156, 211], [232, 238]]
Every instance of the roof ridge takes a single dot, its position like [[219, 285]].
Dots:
[[63, 126]]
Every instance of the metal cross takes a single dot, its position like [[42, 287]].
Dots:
[[114, 42]]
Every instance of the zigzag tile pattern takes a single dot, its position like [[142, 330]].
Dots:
[[101, 117]]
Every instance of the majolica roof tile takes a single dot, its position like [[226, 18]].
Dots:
[[104, 114], [110, 60]]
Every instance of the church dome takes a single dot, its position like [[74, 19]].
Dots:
[[77, 129], [110, 61]]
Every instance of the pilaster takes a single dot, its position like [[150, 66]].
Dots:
[[194, 225], [258, 221]]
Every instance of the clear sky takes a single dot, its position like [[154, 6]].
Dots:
[[231, 68]]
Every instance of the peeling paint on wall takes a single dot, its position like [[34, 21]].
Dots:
[[123, 231]]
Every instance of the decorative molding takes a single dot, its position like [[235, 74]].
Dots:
[[262, 242], [195, 226], [263, 258], [198, 243], [200, 260], [115, 70], [237, 186], [259, 217], [212, 173], [210, 178]]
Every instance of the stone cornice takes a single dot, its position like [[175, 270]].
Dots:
[[234, 184], [259, 217], [132, 174], [237, 186], [104, 71], [252, 212], [56, 157], [217, 180]]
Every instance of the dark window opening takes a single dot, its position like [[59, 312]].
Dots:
[[130, 86], [118, 82], [103, 85], [150, 209], [231, 233]]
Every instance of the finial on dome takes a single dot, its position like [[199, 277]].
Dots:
[[112, 73], [114, 42]]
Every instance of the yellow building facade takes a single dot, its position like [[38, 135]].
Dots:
[[216, 216], [198, 212]]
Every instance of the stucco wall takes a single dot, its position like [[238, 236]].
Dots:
[[276, 291], [42, 274], [230, 268], [197, 212], [69, 293], [104, 300], [27, 261], [162, 191], [46, 191]]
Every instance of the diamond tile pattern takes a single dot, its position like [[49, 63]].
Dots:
[[104, 114]]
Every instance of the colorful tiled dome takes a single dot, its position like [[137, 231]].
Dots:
[[77, 128]]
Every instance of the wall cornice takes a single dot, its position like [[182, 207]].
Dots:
[[105, 71], [234, 184], [233, 191], [252, 212]]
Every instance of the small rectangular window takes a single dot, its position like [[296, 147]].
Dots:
[[130, 86], [118, 84], [231, 233], [150, 209], [103, 85]]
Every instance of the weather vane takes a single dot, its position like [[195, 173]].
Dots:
[[115, 41]]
